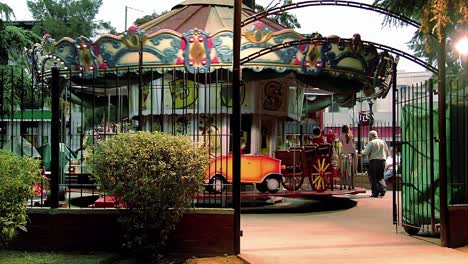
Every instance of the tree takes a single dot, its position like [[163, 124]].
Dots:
[[12, 42], [285, 19], [144, 19], [438, 18], [5, 12], [12, 39], [68, 18]]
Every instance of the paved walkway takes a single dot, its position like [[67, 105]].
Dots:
[[362, 234]]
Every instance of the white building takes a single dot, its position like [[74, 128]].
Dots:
[[334, 116]]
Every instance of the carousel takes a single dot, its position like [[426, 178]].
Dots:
[[173, 74]]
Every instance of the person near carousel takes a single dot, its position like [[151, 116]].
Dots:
[[377, 152], [390, 166], [347, 141], [317, 137], [347, 148]]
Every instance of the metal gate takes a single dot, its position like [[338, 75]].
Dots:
[[416, 205], [417, 200]]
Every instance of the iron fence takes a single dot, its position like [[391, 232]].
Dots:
[[106, 104], [457, 142]]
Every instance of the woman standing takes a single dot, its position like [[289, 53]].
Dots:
[[347, 141], [347, 157]]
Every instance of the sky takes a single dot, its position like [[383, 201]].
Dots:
[[341, 21]]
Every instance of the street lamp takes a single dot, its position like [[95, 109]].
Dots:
[[126, 11], [371, 114], [461, 46]]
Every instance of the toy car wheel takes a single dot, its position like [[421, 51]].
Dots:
[[261, 187], [62, 193], [411, 229], [217, 184], [272, 183], [292, 183], [319, 178], [318, 182]]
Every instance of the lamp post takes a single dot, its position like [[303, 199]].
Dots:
[[126, 12], [444, 221], [371, 115]]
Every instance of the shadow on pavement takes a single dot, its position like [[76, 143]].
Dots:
[[298, 205]]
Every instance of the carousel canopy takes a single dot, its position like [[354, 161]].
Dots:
[[196, 37], [207, 15]]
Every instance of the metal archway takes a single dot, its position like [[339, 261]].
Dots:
[[352, 4], [345, 40], [237, 62]]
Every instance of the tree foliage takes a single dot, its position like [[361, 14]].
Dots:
[[285, 19], [12, 42], [12, 39], [441, 21], [6, 12], [68, 18], [16, 82]]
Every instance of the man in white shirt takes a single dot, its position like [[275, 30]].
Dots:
[[377, 152], [390, 165]]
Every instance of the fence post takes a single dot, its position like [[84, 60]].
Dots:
[[394, 126], [236, 123], [140, 84], [359, 146], [55, 138], [431, 151]]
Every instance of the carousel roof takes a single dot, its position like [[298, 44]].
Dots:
[[210, 16], [196, 37]]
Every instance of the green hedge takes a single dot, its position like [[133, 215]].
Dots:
[[17, 177]]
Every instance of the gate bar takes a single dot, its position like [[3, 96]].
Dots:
[[431, 152], [236, 123], [55, 138], [395, 182]]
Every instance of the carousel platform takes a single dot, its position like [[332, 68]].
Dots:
[[207, 198], [286, 193]]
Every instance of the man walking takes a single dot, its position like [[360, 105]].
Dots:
[[376, 151]]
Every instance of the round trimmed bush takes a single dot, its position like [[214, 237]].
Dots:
[[155, 176]]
